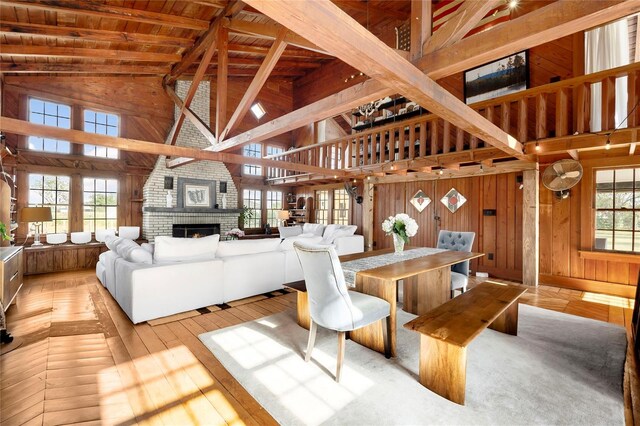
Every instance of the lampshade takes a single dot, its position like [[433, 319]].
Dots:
[[35, 214], [283, 214]]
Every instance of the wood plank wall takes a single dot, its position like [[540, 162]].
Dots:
[[566, 226], [499, 235], [146, 113]]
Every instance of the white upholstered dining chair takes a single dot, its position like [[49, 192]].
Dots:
[[331, 305], [458, 241]]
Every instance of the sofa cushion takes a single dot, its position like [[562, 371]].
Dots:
[[315, 228], [112, 242], [132, 252], [170, 249], [240, 247], [332, 232], [287, 243], [289, 231], [148, 247]]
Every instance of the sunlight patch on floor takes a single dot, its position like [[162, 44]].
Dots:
[[308, 388], [604, 299]]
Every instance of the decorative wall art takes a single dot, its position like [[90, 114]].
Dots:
[[504, 76], [200, 193], [453, 200], [420, 200]]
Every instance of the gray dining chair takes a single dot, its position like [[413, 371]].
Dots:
[[331, 305], [458, 241]]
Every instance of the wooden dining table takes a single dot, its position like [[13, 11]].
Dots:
[[426, 285]]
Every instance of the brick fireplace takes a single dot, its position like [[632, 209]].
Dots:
[[157, 219]]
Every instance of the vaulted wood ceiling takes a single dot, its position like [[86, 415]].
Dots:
[[149, 37]]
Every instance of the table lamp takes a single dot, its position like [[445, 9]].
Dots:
[[283, 215], [36, 215]]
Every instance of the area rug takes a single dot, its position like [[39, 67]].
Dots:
[[560, 369]]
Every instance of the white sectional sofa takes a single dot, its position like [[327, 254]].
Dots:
[[181, 274]]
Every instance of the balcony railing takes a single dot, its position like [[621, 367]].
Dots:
[[550, 111]]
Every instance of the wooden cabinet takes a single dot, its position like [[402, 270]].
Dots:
[[63, 257], [11, 268], [301, 212]]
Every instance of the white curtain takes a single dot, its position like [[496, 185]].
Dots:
[[607, 47]]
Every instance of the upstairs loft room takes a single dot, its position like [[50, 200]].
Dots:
[[514, 121]]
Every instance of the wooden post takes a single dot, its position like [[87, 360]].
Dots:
[[367, 214], [530, 227]]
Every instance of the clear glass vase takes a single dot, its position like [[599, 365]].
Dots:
[[398, 245]]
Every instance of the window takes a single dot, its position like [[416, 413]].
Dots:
[[51, 191], [252, 150], [340, 207], [272, 171], [100, 204], [618, 210], [49, 114], [322, 207], [252, 199], [102, 124], [274, 205]]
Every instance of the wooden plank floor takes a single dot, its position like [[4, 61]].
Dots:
[[82, 361]]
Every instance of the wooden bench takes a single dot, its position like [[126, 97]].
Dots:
[[446, 331]]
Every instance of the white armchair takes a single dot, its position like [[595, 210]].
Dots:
[[331, 305]]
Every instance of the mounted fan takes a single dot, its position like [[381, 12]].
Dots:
[[561, 176], [352, 191]]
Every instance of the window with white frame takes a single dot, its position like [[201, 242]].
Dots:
[[273, 150], [340, 207], [100, 203], [252, 199], [322, 207], [252, 150], [274, 205], [617, 221], [51, 191], [49, 114], [101, 123]]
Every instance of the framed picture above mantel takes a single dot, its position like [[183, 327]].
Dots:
[[502, 77], [196, 193]]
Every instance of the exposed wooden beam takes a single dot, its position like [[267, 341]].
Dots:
[[554, 21], [195, 120], [582, 142], [203, 43], [256, 84], [108, 11], [54, 68], [257, 62], [344, 100], [269, 32], [88, 34], [21, 127], [249, 72], [421, 24], [464, 20], [76, 52], [632, 149], [337, 32], [221, 84]]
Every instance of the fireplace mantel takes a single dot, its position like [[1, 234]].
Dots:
[[190, 210]]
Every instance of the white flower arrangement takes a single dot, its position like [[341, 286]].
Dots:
[[400, 224], [235, 233]]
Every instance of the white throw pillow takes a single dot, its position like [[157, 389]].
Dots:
[[240, 247], [315, 228], [289, 231], [287, 244], [132, 252], [170, 249], [336, 231], [113, 242]]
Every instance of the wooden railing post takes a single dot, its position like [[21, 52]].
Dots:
[[562, 112], [523, 114], [608, 103], [541, 116]]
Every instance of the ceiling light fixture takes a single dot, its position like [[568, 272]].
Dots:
[[607, 146], [512, 4], [537, 146], [258, 110]]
